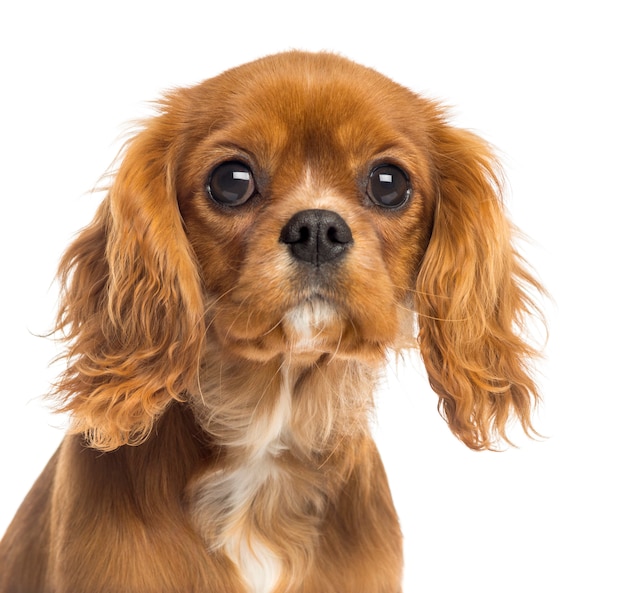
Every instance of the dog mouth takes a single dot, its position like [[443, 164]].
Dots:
[[303, 330], [309, 330]]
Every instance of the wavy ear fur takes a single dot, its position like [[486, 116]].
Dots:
[[472, 297], [131, 302]]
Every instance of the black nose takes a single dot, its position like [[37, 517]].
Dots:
[[317, 236]]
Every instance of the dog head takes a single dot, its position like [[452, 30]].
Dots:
[[299, 206]]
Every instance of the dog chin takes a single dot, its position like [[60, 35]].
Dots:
[[307, 331], [311, 326]]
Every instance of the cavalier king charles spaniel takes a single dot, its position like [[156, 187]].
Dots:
[[271, 237]]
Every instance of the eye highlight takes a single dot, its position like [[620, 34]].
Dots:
[[231, 183], [388, 186]]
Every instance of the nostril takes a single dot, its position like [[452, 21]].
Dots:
[[305, 234], [339, 235], [295, 232], [317, 236]]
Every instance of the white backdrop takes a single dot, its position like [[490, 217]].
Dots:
[[542, 80]]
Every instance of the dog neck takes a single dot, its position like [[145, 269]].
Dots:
[[285, 434], [250, 409]]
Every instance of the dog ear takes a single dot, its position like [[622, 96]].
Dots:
[[472, 297], [131, 302]]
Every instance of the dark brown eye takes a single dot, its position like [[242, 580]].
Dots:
[[231, 183], [388, 186]]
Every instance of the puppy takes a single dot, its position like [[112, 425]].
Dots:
[[271, 236]]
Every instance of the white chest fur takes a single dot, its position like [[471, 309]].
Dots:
[[224, 501], [227, 498]]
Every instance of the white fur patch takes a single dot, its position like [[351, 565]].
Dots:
[[306, 322], [258, 565], [222, 500]]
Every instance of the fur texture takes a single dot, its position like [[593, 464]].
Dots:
[[220, 382]]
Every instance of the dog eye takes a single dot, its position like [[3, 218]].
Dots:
[[388, 186], [231, 183]]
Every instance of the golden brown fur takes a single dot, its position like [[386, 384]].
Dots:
[[220, 388]]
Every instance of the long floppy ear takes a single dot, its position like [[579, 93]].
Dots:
[[131, 302], [472, 298]]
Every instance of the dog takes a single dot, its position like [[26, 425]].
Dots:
[[271, 237]]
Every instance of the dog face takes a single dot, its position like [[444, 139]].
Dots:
[[296, 208], [308, 201]]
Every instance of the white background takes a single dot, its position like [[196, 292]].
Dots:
[[542, 80]]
